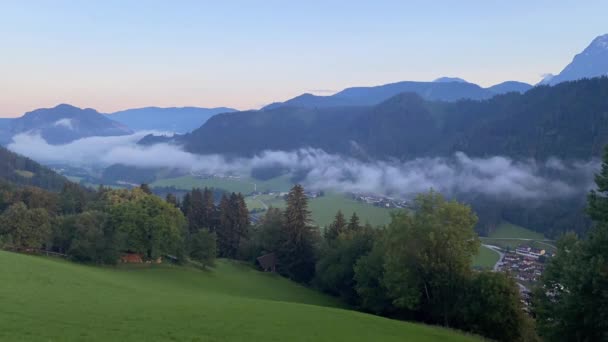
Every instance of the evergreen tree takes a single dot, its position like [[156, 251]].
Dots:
[[195, 212], [353, 224], [172, 199], [224, 227], [234, 224], [598, 199], [297, 252], [208, 210], [145, 188], [335, 228], [72, 199], [185, 205]]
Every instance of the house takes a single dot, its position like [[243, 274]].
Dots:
[[530, 252], [268, 262], [131, 258]]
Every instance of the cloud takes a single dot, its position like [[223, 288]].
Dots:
[[65, 122], [496, 176]]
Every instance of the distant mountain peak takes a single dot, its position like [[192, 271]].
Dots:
[[591, 62], [600, 42], [450, 79]]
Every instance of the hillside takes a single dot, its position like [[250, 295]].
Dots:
[[569, 120], [45, 299], [174, 119], [62, 124], [24, 171]]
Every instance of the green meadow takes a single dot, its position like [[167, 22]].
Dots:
[[44, 299]]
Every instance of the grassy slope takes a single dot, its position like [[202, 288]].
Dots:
[[52, 300], [508, 230], [508, 236], [486, 258]]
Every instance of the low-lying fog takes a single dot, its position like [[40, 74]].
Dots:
[[497, 175]]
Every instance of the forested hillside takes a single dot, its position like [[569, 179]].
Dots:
[[24, 171], [569, 120]]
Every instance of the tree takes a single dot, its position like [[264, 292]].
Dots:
[[297, 251], [369, 284], [233, 224], [150, 226], [172, 199], [353, 224], [335, 228], [195, 216], [491, 307], [208, 210], [265, 237], [598, 198], [72, 199], [145, 188], [25, 228], [203, 248], [89, 240], [572, 303], [334, 272], [429, 255]]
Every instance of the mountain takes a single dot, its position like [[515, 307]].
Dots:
[[568, 121], [510, 86], [448, 89], [63, 124], [592, 62], [179, 120], [20, 170]]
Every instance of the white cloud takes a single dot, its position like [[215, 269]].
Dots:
[[494, 176], [65, 122]]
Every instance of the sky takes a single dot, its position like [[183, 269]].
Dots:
[[112, 55]]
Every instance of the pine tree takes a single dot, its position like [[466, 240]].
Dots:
[[598, 199], [172, 199], [297, 252], [224, 227], [353, 224], [185, 206], [336, 228], [208, 210], [145, 188], [196, 213]]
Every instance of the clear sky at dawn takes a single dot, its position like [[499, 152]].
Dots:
[[112, 55]]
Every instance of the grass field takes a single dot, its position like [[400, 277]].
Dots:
[[52, 300], [324, 210], [510, 236], [508, 230], [244, 185], [486, 258]]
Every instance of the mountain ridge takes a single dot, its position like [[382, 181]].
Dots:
[[175, 119]]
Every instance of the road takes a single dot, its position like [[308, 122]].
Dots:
[[497, 250]]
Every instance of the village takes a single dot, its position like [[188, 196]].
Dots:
[[525, 264], [379, 200]]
